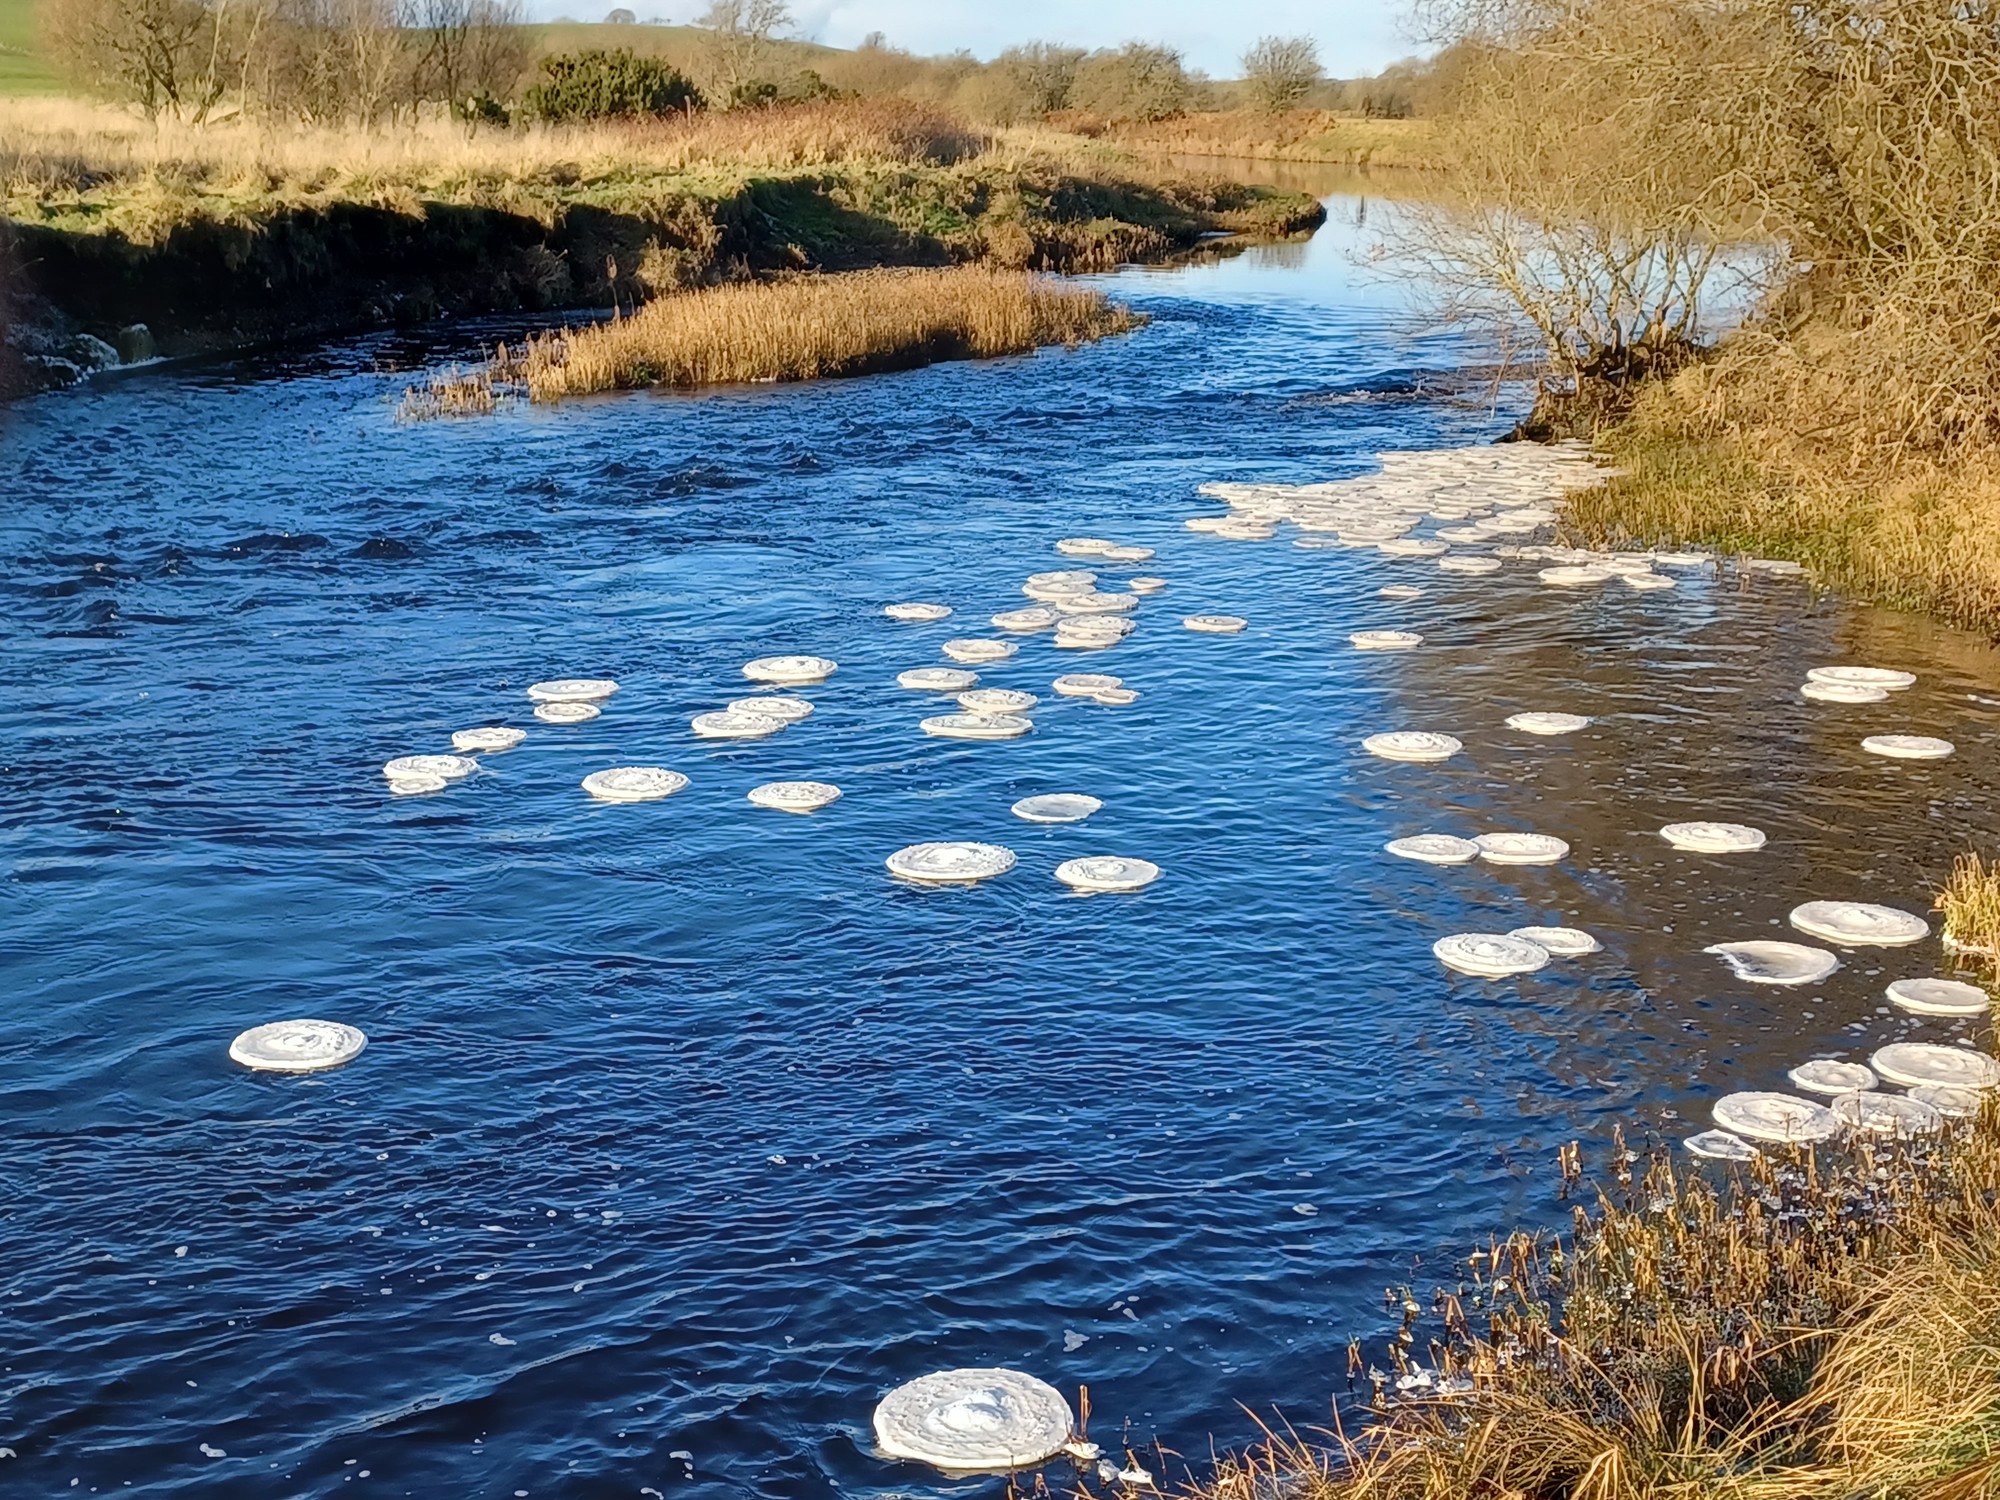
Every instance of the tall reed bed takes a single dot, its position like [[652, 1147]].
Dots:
[[802, 328]]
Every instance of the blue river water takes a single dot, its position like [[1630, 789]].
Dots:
[[684, 1131]]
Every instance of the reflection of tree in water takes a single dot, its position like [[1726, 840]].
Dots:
[[1697, 714]]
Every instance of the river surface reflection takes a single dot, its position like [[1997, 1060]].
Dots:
[[684, 1132]]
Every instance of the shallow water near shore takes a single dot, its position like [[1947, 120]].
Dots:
[[684, 1131]]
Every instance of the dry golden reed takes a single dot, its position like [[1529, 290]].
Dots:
[[802, 328]]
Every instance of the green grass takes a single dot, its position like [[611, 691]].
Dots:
[[22, 68]]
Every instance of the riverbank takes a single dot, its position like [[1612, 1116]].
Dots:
[[1905, 528], [1809, 1326], [1305, 135], [224, 236]]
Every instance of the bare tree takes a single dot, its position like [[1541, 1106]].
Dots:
[[740, 37], [1043, 73], [1280, 71], [166, 56], [465, 48], [1138, 82]]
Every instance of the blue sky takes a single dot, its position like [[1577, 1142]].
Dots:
[[1355, 36]]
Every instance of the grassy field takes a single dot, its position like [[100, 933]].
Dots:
[[22, 70]]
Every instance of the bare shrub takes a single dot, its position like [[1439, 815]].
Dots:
[[1279, 71]]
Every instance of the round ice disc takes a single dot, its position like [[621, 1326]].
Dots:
[[1912, 1063], [1489, 955], [789, 710], [1411, 546], [1056, 807], [1094, 603], [1084, 546], [1713, 838], [1412, 744], [634, 784], [1561, 942], [1908, 746], [917, 614], [936, 679], [1570, 576], [1471, 566], [415, 786], [1887, 1114], [303, 1046], [1092, 633], [1886, 678], [1039, 617], [1128, 554], [979, 651], [1107, 873], [1520, 848], [996, 701], [1645, 582], [1952, 1103], [1072, 579], [1720, 1145], [450, 767], [1385, 640], [1939, 997], [487, 741], [790, 669], [950, 863], [1146, 585], [731, 725], [1434, 849], [1215, 624], [1541, 723], [1765, 962], [969, 1420], [795, 796], [1841, 692], [1116, 697], [572, 689], [1825, 1076], [976, 726], [1086, 684], [566, 711], [1775, 1117], [1856, 924]]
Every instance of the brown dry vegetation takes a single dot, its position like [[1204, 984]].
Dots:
[[238, 230], [803, 328], [1296, 135], [1816, 1329], [1853, 146]]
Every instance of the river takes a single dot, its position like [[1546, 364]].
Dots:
[[683, 1131]]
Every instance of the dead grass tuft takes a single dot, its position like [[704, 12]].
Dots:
[[802, 328]]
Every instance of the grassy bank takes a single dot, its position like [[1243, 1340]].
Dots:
[[804, 328], [1912, 530], [1302, 135], [225, 234], [1810, 1326]]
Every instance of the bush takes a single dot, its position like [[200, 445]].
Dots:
[[609, 85], [1137, 83], [1280, 71]]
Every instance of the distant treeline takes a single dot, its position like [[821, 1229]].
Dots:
[[372, 61]]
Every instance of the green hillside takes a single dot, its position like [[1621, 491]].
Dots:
[[22, 70]]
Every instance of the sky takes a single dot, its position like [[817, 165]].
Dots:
[[1355, 37]]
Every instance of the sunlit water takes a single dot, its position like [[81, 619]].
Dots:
[[685, 1130]]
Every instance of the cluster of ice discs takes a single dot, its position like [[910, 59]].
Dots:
[[1834, 1097], [1873, 685]]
